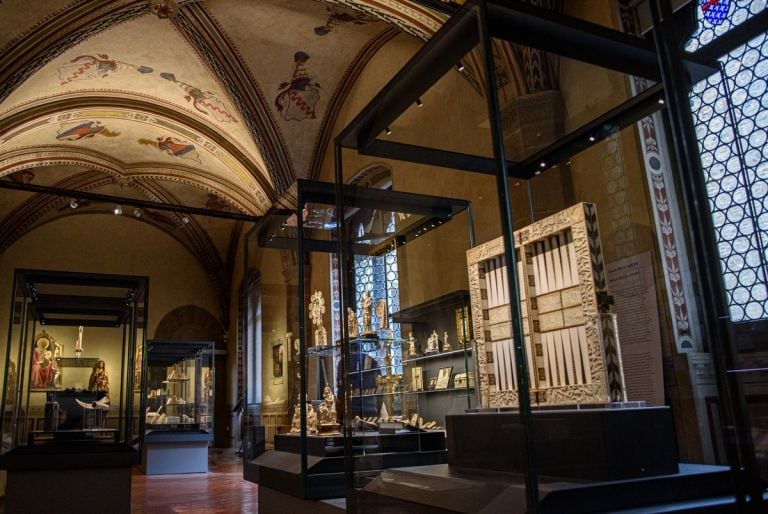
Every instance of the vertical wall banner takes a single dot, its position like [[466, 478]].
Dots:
[[631, 282]]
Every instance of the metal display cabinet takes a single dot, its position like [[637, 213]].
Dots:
[[71, 396]]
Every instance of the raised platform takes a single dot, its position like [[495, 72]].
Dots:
[[594, 444], [441, 489], [280, 469]]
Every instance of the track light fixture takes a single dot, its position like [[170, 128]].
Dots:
[[118, 210], [460, 67], [387, 131], [73, 203], [592, 139], [185, 219], [419, 103]]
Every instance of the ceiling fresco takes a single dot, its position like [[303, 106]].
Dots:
[[213, 104]]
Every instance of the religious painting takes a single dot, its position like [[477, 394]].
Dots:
[[337, 17], [417, 379], [99, 66], [83, 130], [277, 363], [205, 102], [45, 372], [173, 146], [443, 377], [297, 98]]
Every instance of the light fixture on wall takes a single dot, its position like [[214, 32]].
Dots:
[[387, 131], [73, 203], [419, 103], [460, 67], [118, 210], [137, 212]]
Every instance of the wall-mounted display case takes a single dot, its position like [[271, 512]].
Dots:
[[72, 396], [178, 420]]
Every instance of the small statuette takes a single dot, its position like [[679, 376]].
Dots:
[[354, 330], [316, 311], [366, 307], [79, 342], [383, 315], [432, 343], [411, 346], [446, 344], [328, 424]]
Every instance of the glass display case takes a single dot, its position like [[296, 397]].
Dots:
[[407, 333], [71, 395], [178, 420], [348, 390]]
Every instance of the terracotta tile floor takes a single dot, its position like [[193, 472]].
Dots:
[[220, 491]]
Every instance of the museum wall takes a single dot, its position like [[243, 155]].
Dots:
[[109, 244]]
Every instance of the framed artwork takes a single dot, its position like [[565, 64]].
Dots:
[[432, 382], [417, 378], [277, 363], [443, 377]]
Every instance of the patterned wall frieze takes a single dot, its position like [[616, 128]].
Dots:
[[666, 212], [206, 35]]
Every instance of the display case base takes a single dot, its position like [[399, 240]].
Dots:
[[69, 491], [328, 446], [281, 471], [441, 489], [167, 453], [595, 444]]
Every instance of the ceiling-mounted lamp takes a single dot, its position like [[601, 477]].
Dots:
[[387, 131], [592, 139], [185, 219], [460, 67], [118, 210], [73, 203], [419, 103]]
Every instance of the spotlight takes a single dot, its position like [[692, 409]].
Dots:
[[591, 139], [542, 164], [537, 172], [118, 210], [73, 203], [387, 131], [185, 219], [419, 103], [661, 101], [460, 67], [137, 212]]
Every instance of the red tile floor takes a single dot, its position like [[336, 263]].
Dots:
[[220, 491]]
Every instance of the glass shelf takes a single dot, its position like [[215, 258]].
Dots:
[[448, 390], [377, 394], [438, 355]]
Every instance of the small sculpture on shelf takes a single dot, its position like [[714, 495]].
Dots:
[[311, 419], [433, 343], [366, 307], [446, 344], [412, 346], [316, 311], [79, 342], [354, 330], [328, 424], [99, 380], [383, 315]]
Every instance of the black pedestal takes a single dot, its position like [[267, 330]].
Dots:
[[596, 444]]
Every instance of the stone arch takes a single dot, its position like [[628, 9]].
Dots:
[[191, 323]]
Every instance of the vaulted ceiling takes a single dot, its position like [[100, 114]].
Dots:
[[215, 104]]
